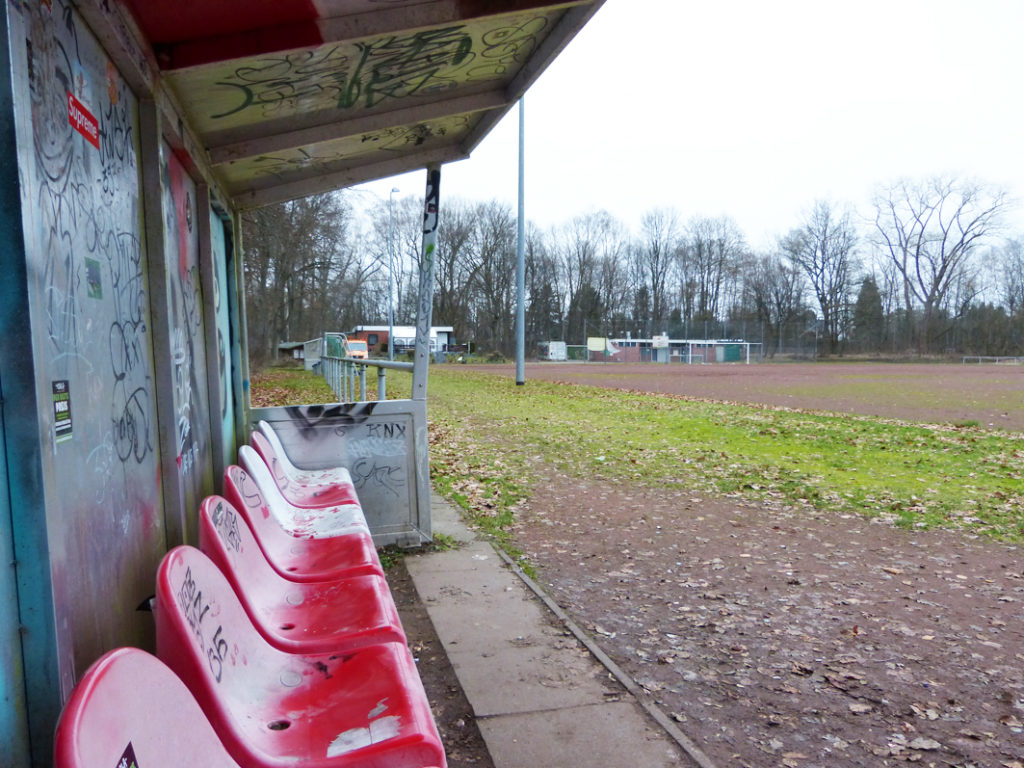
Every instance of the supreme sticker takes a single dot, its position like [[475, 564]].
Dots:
[[81, 120]]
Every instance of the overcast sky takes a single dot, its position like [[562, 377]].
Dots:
[[755, 109]]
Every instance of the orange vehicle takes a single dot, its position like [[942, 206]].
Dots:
[[356, 348]]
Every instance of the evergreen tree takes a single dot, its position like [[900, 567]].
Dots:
[[868, 318]]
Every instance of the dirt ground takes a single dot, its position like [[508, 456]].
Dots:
[[778, 636], [788, 637]]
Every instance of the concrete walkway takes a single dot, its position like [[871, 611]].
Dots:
[[541, 698]]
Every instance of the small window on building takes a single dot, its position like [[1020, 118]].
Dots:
[[372, 339]]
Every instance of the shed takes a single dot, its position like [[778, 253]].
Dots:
[[134, 133]]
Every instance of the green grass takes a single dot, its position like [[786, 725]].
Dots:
[[490, 437]]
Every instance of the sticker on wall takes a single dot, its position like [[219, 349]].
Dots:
[[62, 410], [93, 280], [128, 758], [82, 120]]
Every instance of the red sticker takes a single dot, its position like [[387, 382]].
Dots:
[[81, 120]]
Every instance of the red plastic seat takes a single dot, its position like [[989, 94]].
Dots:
[[302, 487], [298, 558], [271, 708], [130, 707], [312, 521], [321, 616]]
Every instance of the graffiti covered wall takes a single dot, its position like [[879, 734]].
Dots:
[[221, 265], [187, 333], [375, 442], [77, 129]]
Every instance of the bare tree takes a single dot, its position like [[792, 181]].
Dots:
[[581, 246], [775, 289], [456, 266], [494, 240], [1010, 265], [823, 247], [930, 230], [655, 253], [294, 252], [544, 317], [709, 263]]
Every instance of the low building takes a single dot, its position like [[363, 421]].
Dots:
[[661, 349], [442, 338]]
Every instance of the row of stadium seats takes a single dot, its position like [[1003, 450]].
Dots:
[[278, 642]]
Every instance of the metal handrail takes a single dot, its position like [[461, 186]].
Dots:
[[342, 373]]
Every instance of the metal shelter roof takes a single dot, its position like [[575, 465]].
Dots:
[[287, 98]]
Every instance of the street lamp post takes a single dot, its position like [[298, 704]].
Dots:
[[391, 273]]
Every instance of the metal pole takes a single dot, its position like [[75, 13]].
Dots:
[[391, 274], [421, 360], [521, 260]]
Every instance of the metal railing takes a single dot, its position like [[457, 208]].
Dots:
[[346, 376]]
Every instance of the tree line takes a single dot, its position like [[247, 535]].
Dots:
[[928, 270]]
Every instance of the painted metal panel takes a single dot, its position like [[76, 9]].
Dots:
[[340, 153], [14, 725], [192, 417], [13, 707], [221, 267], [374, 73], [90, 361], [293, 97], [377, 443]]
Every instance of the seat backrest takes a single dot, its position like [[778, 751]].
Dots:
[[226, 538], [293, 557], [304, 521], [346, 613], [272, 708], [267, 431], [130, 709], [306, 488], [334, 474], [279, 467]]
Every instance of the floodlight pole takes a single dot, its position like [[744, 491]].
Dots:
[[521, 260]]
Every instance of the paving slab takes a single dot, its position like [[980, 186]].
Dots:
[[612, 735], [541, 698], [505, 680]]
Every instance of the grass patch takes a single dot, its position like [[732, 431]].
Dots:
[[488, 436]]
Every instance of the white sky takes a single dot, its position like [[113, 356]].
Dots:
[[756, 108]]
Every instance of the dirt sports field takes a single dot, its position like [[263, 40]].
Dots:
[[782, 637], [992, 395]]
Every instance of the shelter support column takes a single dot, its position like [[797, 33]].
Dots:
[[425, 305], [421, 361]]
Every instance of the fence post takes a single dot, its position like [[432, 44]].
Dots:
[[382, 383]]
